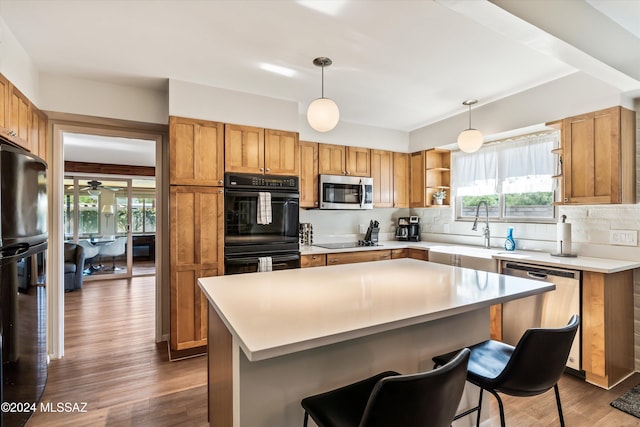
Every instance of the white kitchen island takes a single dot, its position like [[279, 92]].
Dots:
[[277, 337]]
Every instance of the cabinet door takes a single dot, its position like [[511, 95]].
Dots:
[[422, 254], [244, 149], [313, 261], [196, 250], [4, 103], [19, 117], [331, 159], [382, 174], [196, 152], [418, 187], [308, 174], [281, 152], [38, 133], [401, 180], [358, 161], [360, 256]]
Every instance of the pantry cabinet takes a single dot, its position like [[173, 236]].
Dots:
[[261, 151], [342, 160], [196, 154], [308, 174], [196, 246], [598, 157]]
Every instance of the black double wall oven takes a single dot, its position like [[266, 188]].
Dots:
[[261, 221]]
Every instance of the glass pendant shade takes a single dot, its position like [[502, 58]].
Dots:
[[94, 193], [470, 140], [323, 114]]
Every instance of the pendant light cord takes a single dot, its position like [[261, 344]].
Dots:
[[322, 80]]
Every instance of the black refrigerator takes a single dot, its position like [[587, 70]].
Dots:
[[23, 241]]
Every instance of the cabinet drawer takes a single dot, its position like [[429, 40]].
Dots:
[[361, 256], [422, 254], [399, 253], [313, 260]]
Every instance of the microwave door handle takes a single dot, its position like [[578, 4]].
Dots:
[[362, 191]]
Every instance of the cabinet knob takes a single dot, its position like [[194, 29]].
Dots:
[[334, 260], [261, 169], [268, 169], [221, 182], [344, 172], [314, 258]]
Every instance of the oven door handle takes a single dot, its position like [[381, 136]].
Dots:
[[256, 193], [254, 259]]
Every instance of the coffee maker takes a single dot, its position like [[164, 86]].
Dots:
[[408, 228]]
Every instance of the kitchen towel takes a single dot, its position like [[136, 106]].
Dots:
[[265, 263], [265, 215]]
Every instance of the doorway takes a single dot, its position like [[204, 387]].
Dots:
[[114, 220], [108, 152]]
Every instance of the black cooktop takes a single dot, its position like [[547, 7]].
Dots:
[[345, 245]]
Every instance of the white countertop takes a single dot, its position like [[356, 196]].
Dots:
[[281, 312], [597, 265]]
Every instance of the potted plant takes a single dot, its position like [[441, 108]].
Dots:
[[439, 196]]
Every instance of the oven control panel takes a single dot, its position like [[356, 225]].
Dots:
[[234, 180]]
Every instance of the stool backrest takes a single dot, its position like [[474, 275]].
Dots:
[[538, 360], [425, 399]]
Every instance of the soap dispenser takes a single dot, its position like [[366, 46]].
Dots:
[[510, 243]]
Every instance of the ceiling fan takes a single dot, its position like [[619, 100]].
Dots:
[[93, 188]]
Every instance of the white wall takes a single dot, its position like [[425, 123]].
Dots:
[[574, 94], [66, 94], [356, 135], [16, 65]]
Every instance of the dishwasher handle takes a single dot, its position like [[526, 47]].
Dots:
[[537, 276], [535, 271]]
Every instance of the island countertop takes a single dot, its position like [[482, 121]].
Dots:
[[281, 312]]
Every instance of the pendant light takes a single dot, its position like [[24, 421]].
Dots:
[[323, 113], [470, 140]]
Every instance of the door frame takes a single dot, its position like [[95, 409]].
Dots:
[[55, 270]]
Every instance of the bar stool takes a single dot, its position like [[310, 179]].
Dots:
[[530, 368], [390, 399]]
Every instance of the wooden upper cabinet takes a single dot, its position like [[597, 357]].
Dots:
[[263, 151], [401, 168], [332, 159], [281, 152], [19, 116], [382, 174], [38, 133], [358, 161], [342, 160], [243, 149], [418, 189], [308, 174], [4, 104], [196, 152], [598, 156]]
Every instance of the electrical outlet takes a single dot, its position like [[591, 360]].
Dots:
[[623, 237]]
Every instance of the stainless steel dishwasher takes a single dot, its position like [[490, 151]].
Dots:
[[550, 309]]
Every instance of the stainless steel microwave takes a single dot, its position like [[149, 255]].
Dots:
[[345, 192]]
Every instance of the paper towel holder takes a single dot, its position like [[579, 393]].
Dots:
[[564, 254]]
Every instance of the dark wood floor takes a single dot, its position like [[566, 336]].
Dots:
[[113, 364]]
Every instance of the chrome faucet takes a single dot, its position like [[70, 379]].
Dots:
[[486, 233]]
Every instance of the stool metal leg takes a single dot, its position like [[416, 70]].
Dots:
[[479, 408], [555, 388], [306, 418]]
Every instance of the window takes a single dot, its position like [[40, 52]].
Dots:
[[143, 212], [514, 177]]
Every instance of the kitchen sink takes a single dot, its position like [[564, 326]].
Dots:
[[465, 256]]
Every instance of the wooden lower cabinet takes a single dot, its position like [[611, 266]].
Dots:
[[607, 327], [360, 256], [399, 253], [196, 251], [422, 254], [313, 260]]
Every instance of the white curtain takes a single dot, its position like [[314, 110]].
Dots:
[[522, 165]]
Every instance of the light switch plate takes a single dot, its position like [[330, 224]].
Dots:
[[623, 237]]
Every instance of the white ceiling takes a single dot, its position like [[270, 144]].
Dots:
[[396, 64]]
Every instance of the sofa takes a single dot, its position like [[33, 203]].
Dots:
[[73, 266]]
